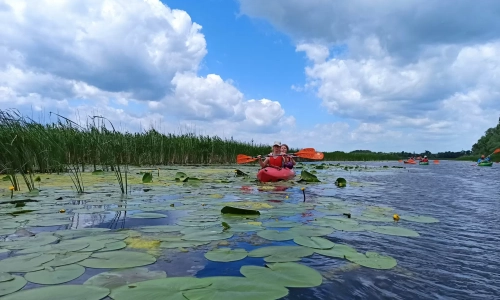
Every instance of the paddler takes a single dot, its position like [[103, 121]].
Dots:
[[289, 162], [425, 159], [482, 159], [275, 159]]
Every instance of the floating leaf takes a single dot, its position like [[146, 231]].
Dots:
[[64, 246], [311, 230], [275, 235], [67, 259], [282, 251], [182, 244], [287, 274], [207, 235], [165, 288], [393, 230], [372, 260], [5, 277], [147, 177], [84, 292], [280, 224], [113, 246], [118, 259], [252, 205], [55, 276], [114, 279], [25, 263], [308, 177], [231, 288], [314, 242], [419, 219], [28, 242], [48, 223], [226, 254], [238, 211], [11, 286], [180, 176], [147, 216], [341, 182], [338, 250], [161, 228]]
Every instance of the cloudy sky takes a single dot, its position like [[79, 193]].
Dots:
[[336, 75]]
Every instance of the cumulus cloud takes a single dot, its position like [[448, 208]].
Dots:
[[135, 62], [422, 70]]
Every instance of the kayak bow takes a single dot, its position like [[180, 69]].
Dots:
[[485, 164], [270, 174]]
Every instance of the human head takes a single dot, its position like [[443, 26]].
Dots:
[[277, 147], [482, 156], [284, 148], [425, 156]]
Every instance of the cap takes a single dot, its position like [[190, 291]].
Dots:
[[277, 143], [425, 156]]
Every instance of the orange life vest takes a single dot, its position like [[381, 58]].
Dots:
[[276, 161]]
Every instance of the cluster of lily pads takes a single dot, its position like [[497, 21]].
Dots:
[[41, 246]]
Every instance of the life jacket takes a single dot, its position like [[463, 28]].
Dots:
[[276, 161]]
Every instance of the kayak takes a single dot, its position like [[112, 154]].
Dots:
[[423, 163], [270, 174], [409, 162], [485, 164]]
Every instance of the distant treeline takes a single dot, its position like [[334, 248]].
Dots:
[[367, 155]]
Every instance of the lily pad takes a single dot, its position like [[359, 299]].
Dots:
[[114, 279], [182, 244], [339, 251], [287, 274], [314, 242], [147, 177], [180, 176], [83, 292], [25, 263], [231, 288], [238, 211], [147, 216], [65, 246], [394, 230], [207, 235], [280, 224], [274, 235], [372, 260], [308, 177], [11, 286], [55, 276], [161, 228], [67, 259], [226, 254], [118, 259], [419, 219], [164, 288], [5, 277], [113, 246], [341, 182], [311, 230], [281, 253]]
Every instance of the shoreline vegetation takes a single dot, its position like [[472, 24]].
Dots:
[[30, 147]]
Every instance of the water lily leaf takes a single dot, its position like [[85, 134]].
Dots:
[[332, 219], [7, 231], [339, 251], [161, 228], [55, 276], [180, 176], [308, 177], [374, 218], [25, 263], [93, 246], [314, 242], [419, 219], [165, 288], [64, 246], [394, 230], [226, 254], [198, 224], [28, 242], [238, 211], [293, 253], [114, 279], [351, 227], [207, 235], [84, 292], [74, 233], [113, 246], [244, 228], [287, 274], [5, 277], [372, 260], [341, 182], [67, 259], [118, 259], [12, 285], [241, 288], [48, 223], [274, 235], [279, 224], [252, 205], [182, 244], [147, 177], [311, 230], [147, 216]]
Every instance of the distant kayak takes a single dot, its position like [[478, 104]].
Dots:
[[410, 162], [485, 164], [273, 174], [424, 163]]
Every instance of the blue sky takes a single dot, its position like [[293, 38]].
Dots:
[[334, 75]]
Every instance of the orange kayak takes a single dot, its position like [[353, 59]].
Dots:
[[270, 174], [410, 162]]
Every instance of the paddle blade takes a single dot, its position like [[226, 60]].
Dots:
[[400, 160], [311, 155], [496, 151], [307, 150], [244, 159]]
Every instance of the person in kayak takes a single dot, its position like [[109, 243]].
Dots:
[[482, 159], [425, 159], [275, 159], [288, 160]]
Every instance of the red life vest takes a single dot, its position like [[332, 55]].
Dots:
[[276, 161]]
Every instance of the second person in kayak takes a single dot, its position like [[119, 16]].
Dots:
[[288, 161], [275, 159]]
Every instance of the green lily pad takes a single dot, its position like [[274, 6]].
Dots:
[[12, 285], [182, 244], [113, 246], [308, 177], [419, 219], [68, 258], [25, 263], [147, 177], [394, 230], [372, 260], [147, 216], [114, 279], [351, 227], [226, 254], [231, 288], [311, 230], [5, 277], [341, 182], [161, 228], [238, 211], [244, 228], [279, 224], [64, 246], [281, 253], [180, 176], [314, 242], [28, 242], [274, 235], [287, 274], [7, 231], [55, 276], [84, 292], [339, 251], [207, 235], [118, 260]]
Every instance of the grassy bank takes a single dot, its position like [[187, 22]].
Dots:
[[373, 156]]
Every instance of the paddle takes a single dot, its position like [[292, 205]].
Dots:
[[307, 153], [494, 152]]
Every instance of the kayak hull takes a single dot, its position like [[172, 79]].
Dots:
[[409, 162], [423, 163], [485, 164], [270, 174]]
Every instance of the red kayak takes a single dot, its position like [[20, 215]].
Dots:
[[270, 174]]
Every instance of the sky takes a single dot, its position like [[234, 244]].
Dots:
[[382, 75]]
